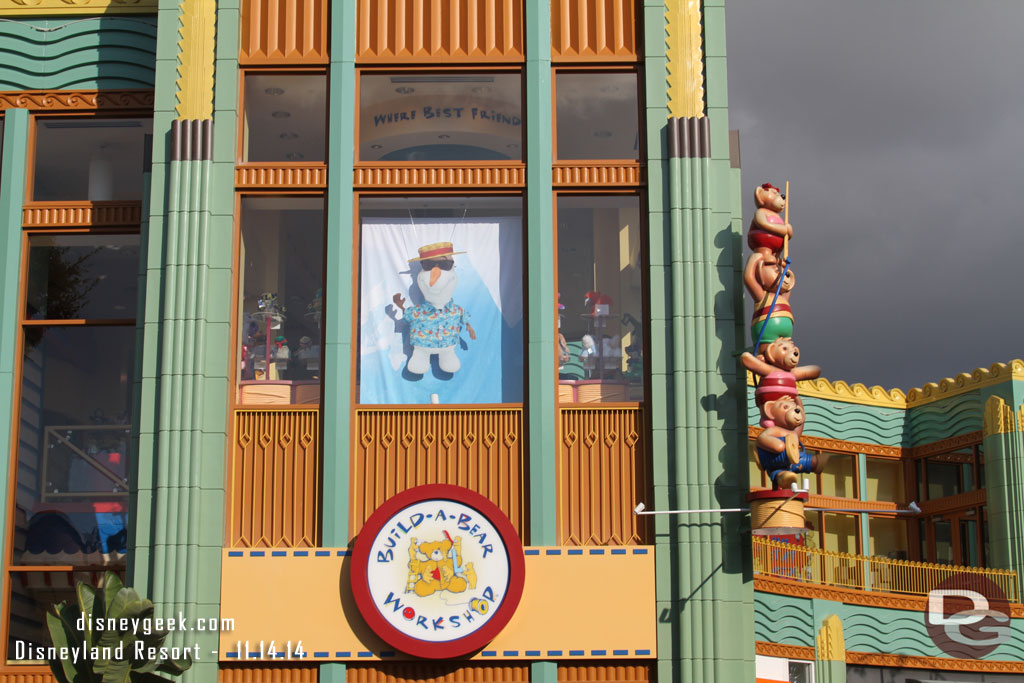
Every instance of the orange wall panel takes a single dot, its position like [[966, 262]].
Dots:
[[610, 673], [268, 673], [435, 672], [284, 32], [400, 31], [479, 449], [593, 30], [602, 475]]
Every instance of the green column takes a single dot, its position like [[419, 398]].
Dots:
[[704, 587], [542, 424], [1004, 483], [13, 165], [338, 292]]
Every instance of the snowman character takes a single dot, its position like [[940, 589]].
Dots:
[[436, 324]]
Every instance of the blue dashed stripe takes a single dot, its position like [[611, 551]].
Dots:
[[279, 553], [323, 553], [599, 653], [575, 551], [231, 655], [554, 653], [235, 553], [577, 653], [643, 652], [321, 654], [553, 551], [301, 553], [256, 553], [639, 551], [364, 654], [597, 551], [342, 654], [387, 653], [531, 551], [510, 653], [620, 652], [532, 653], [618, 551], [343, 553], [489, 653]]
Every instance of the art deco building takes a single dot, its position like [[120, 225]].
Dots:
[[271, 266]]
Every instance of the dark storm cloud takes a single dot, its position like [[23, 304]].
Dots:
[[898, 124]]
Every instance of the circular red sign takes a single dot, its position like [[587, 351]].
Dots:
[[427, 566]]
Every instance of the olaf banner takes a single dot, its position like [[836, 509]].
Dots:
[[441, 311]]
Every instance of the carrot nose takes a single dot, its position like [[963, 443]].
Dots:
[[435, 273]]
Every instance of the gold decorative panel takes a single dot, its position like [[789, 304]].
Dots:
[[275, 479], [284, 32], [593, 30], [440, 31], [478, 448], [602, 474]]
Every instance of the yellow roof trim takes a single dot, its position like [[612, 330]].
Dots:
[[895, 398]]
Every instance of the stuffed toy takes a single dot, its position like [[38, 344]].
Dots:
[[435, 325]]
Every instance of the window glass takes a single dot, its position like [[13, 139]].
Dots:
[[285, 117], [888, 537], [82, 276], [74, 446], [440, 117], [950, 473], [840, 532], [600, 299], [280, 300], [597, 115], [441, 300], [884, 480], [838, 476], [89, 159], [943, 530]]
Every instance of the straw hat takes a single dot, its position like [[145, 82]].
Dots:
[[437, 250]]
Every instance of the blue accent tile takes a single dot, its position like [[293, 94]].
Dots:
[[553, 551], [599, 653], [510, 653], [301, 553], [618, 551], [279, 553], [532, 653], [232, 655], [343, 553], [643, 652], [256, 553], [554, 653], [531, 551], [387, 653], [280, 655], [321, 654], [365, 654], [323, 553], [639, 551], [577, 653], [575, 551], [489, 653], [342, 654], [597, 551], [620, 652], [235, 553]]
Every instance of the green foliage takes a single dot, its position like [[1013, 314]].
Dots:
[[112, 601]]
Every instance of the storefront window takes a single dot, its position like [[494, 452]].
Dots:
[[285, 117], [888, 537], [840, 532], [82, 276], [597, 115], [280, 300], [92, 159], [600, 299], [950, 473], [885, 480], [441, 300], [467, 116], [839, 475]]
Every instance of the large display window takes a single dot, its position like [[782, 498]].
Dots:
[[440, 300], [284, 118], [600, 299], [420, 116], [88, 158], [597, 115], [280, 300]]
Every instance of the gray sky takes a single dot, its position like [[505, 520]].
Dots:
[[900, 127]]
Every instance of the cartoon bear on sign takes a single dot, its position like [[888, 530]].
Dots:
[[437, 566]]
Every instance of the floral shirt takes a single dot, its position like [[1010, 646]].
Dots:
[[436, 329]]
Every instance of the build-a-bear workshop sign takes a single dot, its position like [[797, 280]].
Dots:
[[437, 571]]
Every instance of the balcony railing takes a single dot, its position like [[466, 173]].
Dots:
[[860, 572]]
